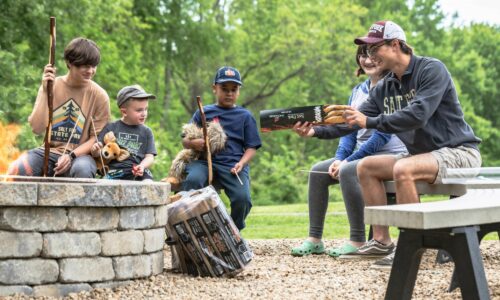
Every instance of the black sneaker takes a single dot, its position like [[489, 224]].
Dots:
[[372, 249], [384, 263]]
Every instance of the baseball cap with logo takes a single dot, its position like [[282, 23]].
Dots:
[[228, 74], [132, 91], [380, 31]]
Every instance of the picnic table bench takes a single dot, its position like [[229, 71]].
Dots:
[[456, 225]]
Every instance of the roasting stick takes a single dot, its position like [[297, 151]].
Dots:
[[318, 172], [97, 141], [238, 178], [70, 137]]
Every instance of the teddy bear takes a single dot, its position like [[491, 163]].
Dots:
[[217, 140], [110, 151]]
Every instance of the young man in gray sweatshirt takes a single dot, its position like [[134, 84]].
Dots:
[[418, 102]]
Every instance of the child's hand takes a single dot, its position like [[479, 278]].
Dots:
[[137, 170], [237, 168], [96, 148], [198, 144]]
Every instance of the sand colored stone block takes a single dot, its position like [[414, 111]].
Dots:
[[122, 242], [136, 218], [20, 244], [154, 239], [129, 267], [8, 290], [93, 219], [28, 271], [157, 262], [59, 290], [70, 244], [33, 219], [18, 193], [91, 269]]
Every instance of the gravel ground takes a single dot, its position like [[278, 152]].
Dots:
[[274, 274]]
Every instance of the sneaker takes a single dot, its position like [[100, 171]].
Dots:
[[372, 249], [384, 263], [308, 248]]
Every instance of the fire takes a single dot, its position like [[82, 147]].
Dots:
[[8, 150]]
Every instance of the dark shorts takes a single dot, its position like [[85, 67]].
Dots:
[[122, 174]]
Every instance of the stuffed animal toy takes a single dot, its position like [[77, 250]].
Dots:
[[217, 139], [109, 152]]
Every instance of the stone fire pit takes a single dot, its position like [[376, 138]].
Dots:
[[68, 235]]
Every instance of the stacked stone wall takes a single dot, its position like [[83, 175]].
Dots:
[[62, 237]]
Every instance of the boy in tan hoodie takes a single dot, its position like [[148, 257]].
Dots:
[[80, 107]]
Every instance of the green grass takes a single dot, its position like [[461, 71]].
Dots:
[[292, 221]]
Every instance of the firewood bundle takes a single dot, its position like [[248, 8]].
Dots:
[[204, 239]]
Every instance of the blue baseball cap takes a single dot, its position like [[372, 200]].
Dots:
[[228, 74]]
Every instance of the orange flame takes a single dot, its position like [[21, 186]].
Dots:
[[8, 150]]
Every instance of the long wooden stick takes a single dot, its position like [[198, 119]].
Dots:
[[50, 96], [97, 141], [205, 136]]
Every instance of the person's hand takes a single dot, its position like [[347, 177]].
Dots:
[[237, 168], [138, 170], [303, 129], [49, 74], [336, 173], [353, 117], [63, 164], [197, 144], [96, 148], [333, 167]]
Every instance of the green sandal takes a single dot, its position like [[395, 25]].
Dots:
[[344, 249], [307, 248]]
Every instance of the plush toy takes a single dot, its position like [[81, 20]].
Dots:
[[109, 152], [217, 139]]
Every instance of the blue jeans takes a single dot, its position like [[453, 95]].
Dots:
[[239, 195], [31, 164]]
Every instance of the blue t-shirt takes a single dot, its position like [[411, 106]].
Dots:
[[240, 128]]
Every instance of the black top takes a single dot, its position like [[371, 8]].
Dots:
[[422, 109]]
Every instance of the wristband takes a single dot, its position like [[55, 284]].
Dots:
[[72, 155]]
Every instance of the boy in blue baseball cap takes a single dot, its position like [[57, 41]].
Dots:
[[243, 140]]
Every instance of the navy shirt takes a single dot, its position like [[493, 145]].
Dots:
[[422, 109], [240, 128]]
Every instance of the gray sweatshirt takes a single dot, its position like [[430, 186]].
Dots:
[[422, 109]]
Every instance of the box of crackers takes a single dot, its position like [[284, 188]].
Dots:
[[286, 118]]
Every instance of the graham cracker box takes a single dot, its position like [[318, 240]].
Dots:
[[286, 118]]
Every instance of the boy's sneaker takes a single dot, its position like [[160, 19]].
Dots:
[[372, 249], [384, 263]]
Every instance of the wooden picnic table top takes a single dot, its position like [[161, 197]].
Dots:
[[479, 205], [452, 187]]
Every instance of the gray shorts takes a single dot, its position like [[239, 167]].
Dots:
[[459, 157]]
